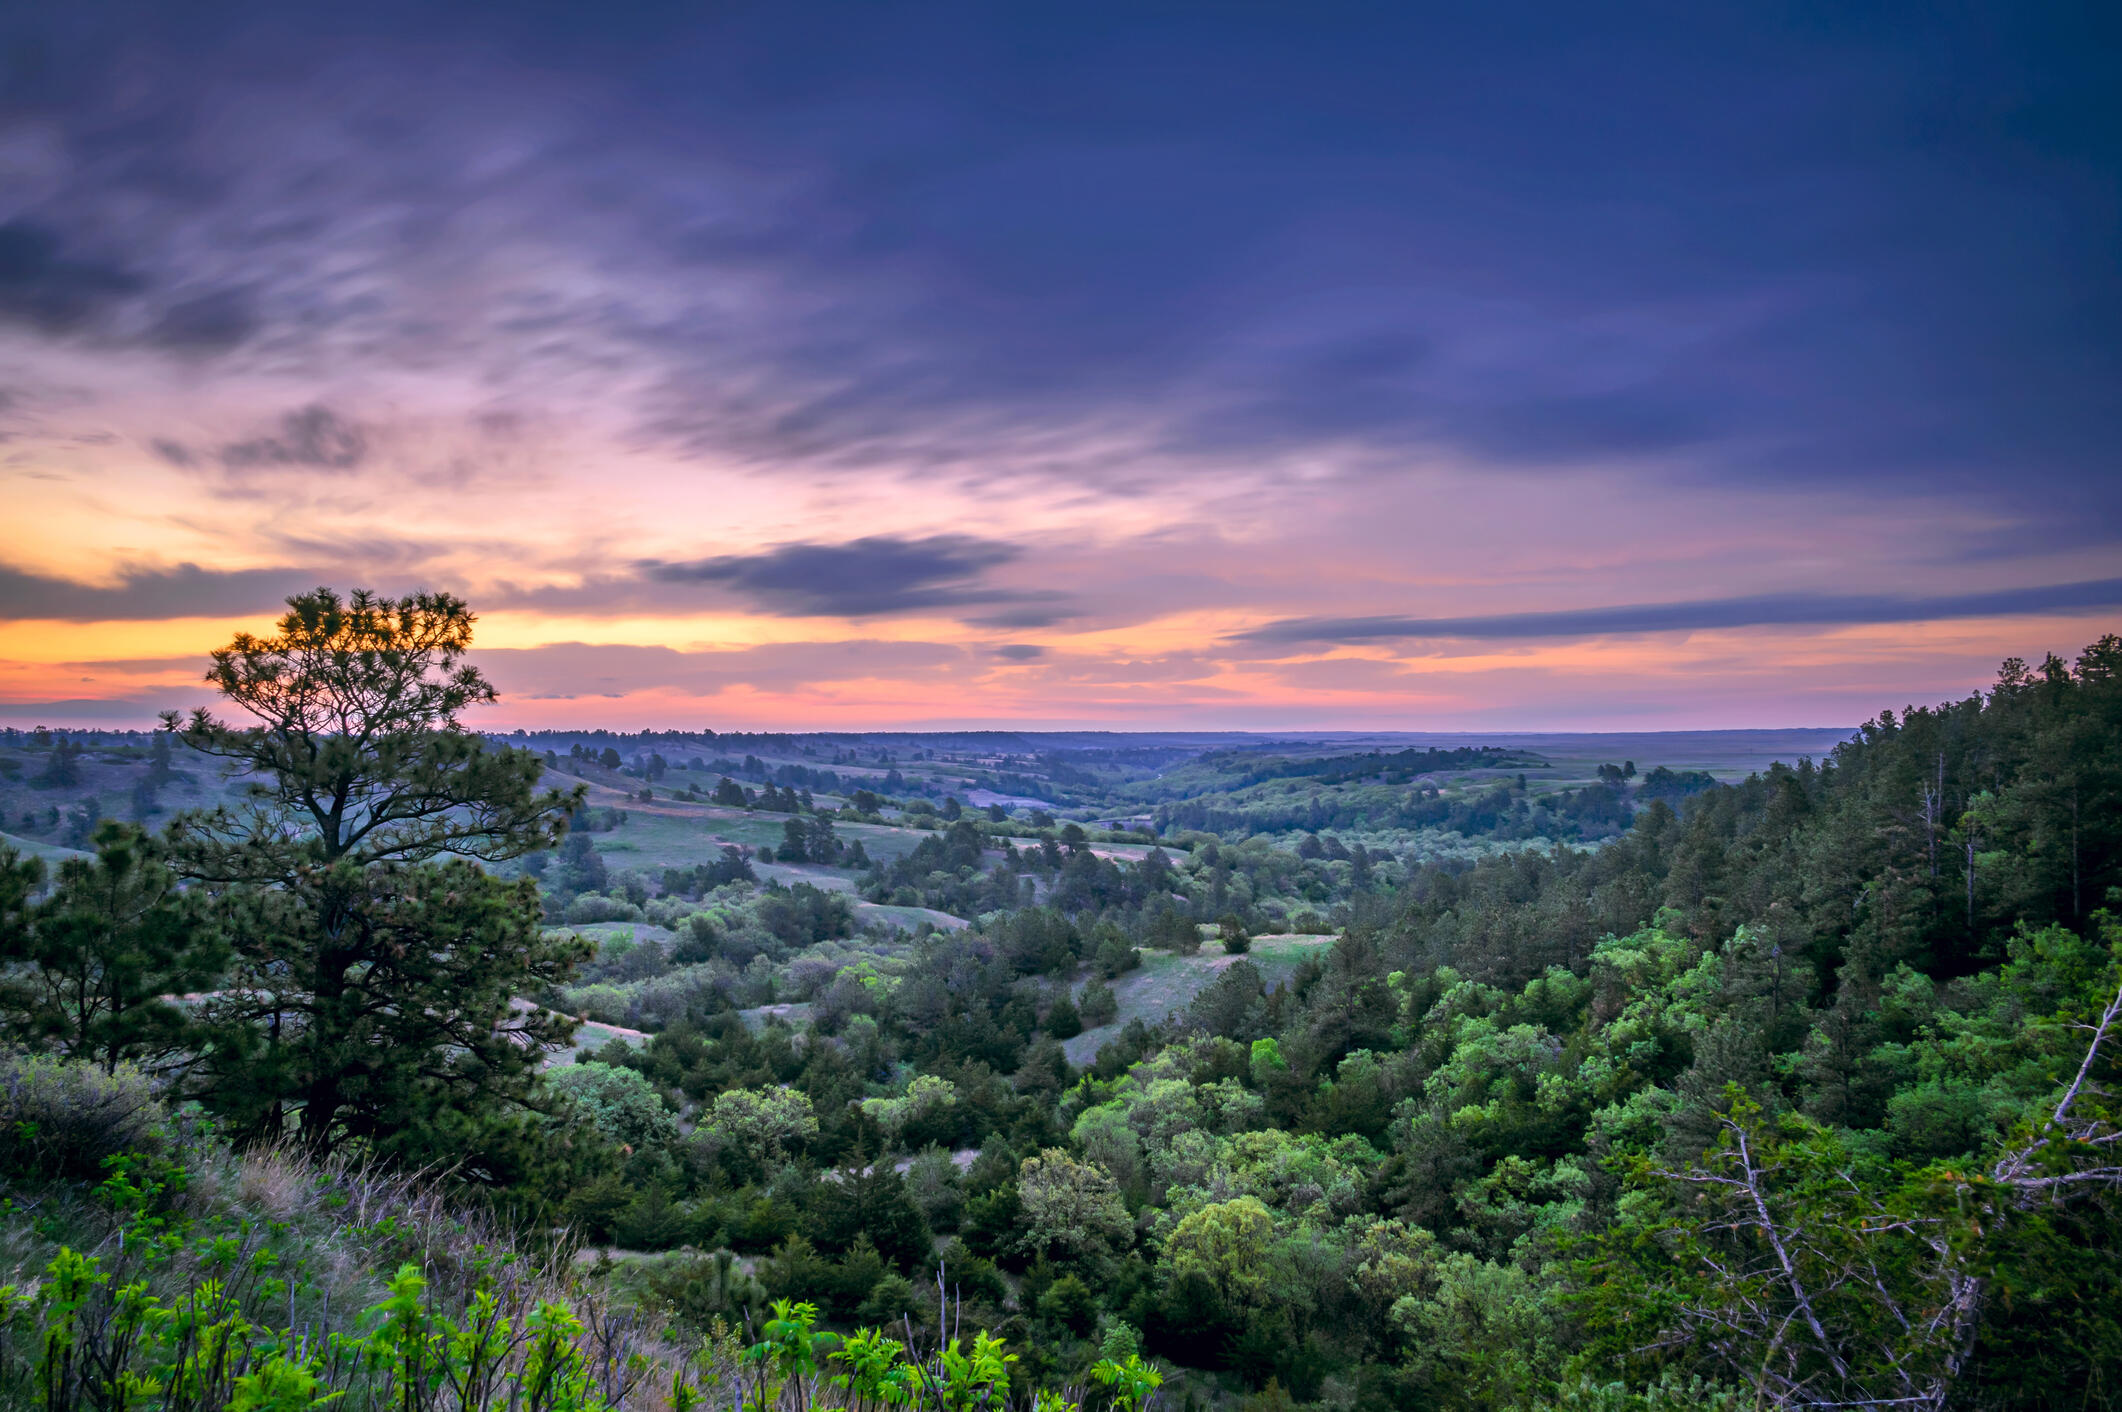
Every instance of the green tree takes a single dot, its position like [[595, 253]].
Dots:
[[762, 1123], [870, 1200], [63, 769], [925, 1095], [378, 968], [1071, 1208], [1823, 1275], [1175, 931], [1231, 1245], [620, 1103], [91, 971], [1063, 1021]]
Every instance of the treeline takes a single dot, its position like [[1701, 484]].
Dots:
[[960, 870], [1397, 768], [1503, 811]]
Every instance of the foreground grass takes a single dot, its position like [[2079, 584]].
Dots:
[[210, 1280]]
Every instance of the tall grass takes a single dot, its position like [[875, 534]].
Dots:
[[211, 1279], [196, 1278]]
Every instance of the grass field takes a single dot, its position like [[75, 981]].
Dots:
[[1166, 982], [592, 1037], [31, 848], [793, 1012], [1729, 755], [908, 918], [601, 932]]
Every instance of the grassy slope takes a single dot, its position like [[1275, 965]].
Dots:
[[1167, 982], [35, 848]]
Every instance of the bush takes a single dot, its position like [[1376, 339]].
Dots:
[[698, 940], [933, 1182], [701, 1288], [1062, 1019], [1116, 956], [60, 1118], [1099, 1006], [1069, 1303], [1175, 931], [620, 1103], [592, 907], [606, 1004]]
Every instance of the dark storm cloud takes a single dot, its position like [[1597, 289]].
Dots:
[[210, 323], [1020, 652], [1742, 244], [50, 291], [315, 437], [1766, 251], [186, 591], [875, 576], [1768, 610], [1025, 617]]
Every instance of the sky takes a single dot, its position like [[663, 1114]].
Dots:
[[797, 365]]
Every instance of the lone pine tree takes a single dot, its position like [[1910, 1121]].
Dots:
[[375, 992]]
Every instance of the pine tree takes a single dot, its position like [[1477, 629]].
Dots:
[[378, 970], [95, 966], [794, 847], [1099, 1005], [1062, 1019], [63, 769]]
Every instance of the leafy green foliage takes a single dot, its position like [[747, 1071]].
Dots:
[[61, 1119], [619, 1103]]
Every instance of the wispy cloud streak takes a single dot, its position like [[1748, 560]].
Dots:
[[1762, 610]]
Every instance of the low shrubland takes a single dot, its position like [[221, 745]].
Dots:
[[189, 1274]]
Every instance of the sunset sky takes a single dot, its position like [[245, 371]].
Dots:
[[791, 365]]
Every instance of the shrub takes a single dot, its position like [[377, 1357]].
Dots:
[[1099, 1006], [1116, 955], [60, 1118], [606, 1004], [701, 1288], [1062, 1019], [620, 1103], [668, 999], [1175, 931], [1069, 1303], [932, 1181], [593, 907], [697, 941]]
